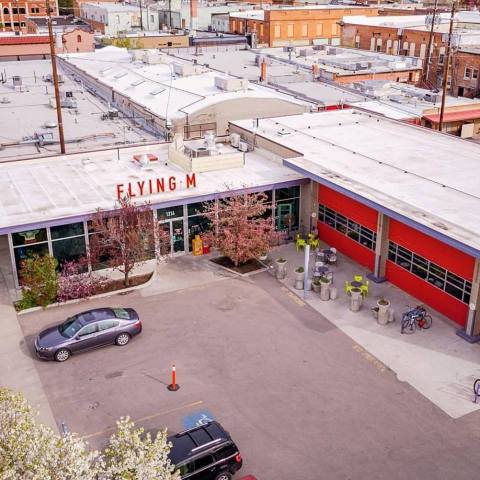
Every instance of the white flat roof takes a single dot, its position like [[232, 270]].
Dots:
[[429, 178], [149, 85], [25, 110], [278, 73], [342, 60], [36, 192]]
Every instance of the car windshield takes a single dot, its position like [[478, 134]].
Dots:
[[70, 327]]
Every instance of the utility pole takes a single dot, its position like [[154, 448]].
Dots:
[[426, 66], [53, 58], [447, 65], [141, 16]]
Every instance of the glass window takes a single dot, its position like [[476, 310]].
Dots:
[[170, 212], [285, 193], [197, 208], [107, 324], [70, 327], [121, 313], [225, 452], [29, 236], [455, 280], [88, 329], [456, 292], [64, 231], [197, 226], [69, 250], [185, 469], [22, 253], [437, 271], [203, 462]]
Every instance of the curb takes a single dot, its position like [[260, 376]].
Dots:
[[93, 297]]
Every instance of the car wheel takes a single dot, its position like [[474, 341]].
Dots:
[[122, 339], [223, 476], [62, 355]]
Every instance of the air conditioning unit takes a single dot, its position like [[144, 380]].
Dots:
[[235, 140], [243, 146]]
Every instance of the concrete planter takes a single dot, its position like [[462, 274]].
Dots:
[[383, 311], [355, 299], [299, 275], [316, 287], [325, 289], [280, 269]]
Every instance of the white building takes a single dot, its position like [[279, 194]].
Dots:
[[112, 18], [168, 95]]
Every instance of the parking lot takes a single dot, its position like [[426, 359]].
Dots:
[[299, 397]]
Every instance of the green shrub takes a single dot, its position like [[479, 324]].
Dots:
[[39, 281]]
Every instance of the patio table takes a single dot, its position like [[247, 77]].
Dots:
[[356, 284]]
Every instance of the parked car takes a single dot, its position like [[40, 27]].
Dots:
[[87, 330], [206, 452]]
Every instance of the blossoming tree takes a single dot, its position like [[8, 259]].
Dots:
[[239, 228]]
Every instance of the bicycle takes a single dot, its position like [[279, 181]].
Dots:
[[476, 389], [415, 318]]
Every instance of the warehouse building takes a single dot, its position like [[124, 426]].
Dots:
[[170, 95], [384, 200]]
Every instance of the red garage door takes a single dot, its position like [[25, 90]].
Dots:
[[347, 225], [430, 270]]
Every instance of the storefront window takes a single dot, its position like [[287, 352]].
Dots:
[[197, 208], [28, 251], [170, 212], [197, 225], [29, 236], [65, 231], [68, 250]]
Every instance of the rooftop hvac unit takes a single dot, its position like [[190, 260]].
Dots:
[[243, 146], [17, 81], [185, 69], [231, 84], [235, 140]]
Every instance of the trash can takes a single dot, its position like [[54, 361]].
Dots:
[[355, 299], [324, 289]]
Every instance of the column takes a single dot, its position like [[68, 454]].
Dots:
[[381, 249], [308, 206], [472, 327]]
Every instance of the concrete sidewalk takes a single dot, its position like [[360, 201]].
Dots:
[[17, 368], [436, 362]]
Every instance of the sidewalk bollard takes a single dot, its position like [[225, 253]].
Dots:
[[174, 386]]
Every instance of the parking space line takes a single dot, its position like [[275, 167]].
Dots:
[[143, 419], [293, 297], [370, 358]]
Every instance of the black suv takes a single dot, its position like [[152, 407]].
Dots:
[[205, 453]]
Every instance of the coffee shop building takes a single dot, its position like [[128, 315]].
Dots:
[[47, 202]]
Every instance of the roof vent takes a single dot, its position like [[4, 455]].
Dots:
[[230, 84], [157, 91]]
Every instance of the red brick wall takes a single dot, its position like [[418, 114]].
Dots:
[[467, 87]]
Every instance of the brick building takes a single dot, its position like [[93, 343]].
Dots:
[[28, 47], [13, 15], [276, 27], [406, 35], [465, 72]]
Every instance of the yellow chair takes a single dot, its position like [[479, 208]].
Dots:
[[348, 287], [299, 242], [365, 289], [358, 278]]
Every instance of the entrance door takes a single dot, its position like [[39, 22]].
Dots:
[[178, 236], [284, 216], [175, 230]]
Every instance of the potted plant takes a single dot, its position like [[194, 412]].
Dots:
[[316, 285], [263, 257], [281, 268], [299, 274]]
